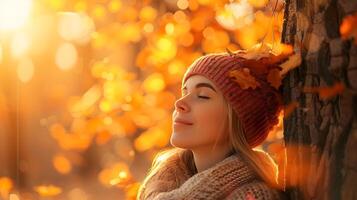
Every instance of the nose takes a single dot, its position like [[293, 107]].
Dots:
[[181, 105]]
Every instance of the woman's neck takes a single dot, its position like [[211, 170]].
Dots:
[[206, 157]]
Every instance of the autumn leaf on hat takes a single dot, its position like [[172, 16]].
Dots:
[[291, 63], [274, 78], [275, 75], [256, 52], [268, 53], [244, 78]]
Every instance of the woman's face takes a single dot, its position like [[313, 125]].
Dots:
[[199, 118]]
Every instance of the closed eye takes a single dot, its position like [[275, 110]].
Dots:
[[203, 97]]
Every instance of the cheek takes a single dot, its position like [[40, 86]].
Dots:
[[209, 126], [210, 115], [211, 120]]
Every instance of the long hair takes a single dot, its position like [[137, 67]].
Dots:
[[261, 162]]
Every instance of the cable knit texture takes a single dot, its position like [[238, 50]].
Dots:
[[229, 179]]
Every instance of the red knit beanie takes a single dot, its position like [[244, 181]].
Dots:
[[258, 108]]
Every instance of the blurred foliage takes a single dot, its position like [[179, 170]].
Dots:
[[134, 103], [139, 51]]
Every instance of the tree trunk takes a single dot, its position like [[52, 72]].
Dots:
[[321, 135]]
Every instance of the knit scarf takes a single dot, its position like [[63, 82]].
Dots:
[[216, 182]]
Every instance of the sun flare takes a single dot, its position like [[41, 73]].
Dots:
[[14, 13]]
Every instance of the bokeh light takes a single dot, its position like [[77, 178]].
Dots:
[[25, 70], [19, 45], [66, 56], [75, 27]]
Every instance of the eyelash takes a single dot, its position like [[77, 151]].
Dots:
[[199, 96], [203, 97]]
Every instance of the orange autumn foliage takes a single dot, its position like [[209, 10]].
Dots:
[[326, 93], [274, 78], [288, 109], [348, 28], [244, 78]]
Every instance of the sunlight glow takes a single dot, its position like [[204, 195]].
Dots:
[[25, 70], [1, 54], [235, 15], [13, 13], [19, 45]]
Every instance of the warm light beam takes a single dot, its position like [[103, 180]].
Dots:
[[13, 13]]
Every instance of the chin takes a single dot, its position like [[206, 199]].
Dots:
[[180, 142]]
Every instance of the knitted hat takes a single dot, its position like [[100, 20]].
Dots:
[[256, 105]]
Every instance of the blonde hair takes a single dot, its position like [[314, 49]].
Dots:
[[260, 161]]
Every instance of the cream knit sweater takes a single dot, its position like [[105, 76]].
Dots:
[[229, 179]]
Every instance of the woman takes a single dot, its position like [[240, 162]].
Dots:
[[226, 109]]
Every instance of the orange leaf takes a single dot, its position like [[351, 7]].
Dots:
[[326, 92], [274, 78], [244, 78], [280, 54], [348, 28], [288, 109], [291, 63]]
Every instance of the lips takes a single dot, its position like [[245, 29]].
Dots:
[[182, 121]]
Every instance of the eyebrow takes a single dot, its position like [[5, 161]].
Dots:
[[201, 85]]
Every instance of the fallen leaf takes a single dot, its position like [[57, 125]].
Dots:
[[326, 93], [348, 28], [244, 78], [288, 109]]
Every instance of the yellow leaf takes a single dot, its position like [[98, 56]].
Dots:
[[291, 63], [256, 52]]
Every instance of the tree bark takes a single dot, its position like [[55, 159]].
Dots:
[[320, 135]]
